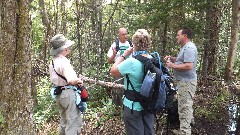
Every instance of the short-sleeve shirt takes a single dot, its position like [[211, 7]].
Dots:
[[122, 48], [188, 53], [135, 71], [63, 67]]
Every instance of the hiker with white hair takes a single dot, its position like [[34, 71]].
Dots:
[[65, 81], [137, 121]]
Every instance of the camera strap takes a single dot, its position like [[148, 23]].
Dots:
[[58, 73]]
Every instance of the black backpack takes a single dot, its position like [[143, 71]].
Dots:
[[117, 44], [153, 92]]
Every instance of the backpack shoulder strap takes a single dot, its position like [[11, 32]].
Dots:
[[130, 43], [58, 73], [157, 56], [146, 61], [129, 82], [117, 44]]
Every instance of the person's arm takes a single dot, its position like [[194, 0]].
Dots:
[[76, 81], [70, 74], [111, 59], [184, 66], [172, 59], [114, 69]]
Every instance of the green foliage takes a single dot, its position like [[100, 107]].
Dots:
[[236, 68], [215, 105], [154, 16], [37, 29], [99, 114], [46, 108]]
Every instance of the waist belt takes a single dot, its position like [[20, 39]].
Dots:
[[132, 95], [56, 90]]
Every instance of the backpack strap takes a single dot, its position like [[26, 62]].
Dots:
[[132, 95], [155, 54], [130, 43], [146, 61], [58, 73], [117, 44]]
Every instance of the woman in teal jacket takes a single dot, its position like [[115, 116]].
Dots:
[[136, 120]]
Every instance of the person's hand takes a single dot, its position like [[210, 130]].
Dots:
[[114, 51], [167, 58], [128, 51], [79, 82], [170, 64]]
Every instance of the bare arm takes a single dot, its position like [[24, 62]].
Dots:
[[184, 66], [114, 70], [77, 81], [172, 59], [111, 59]]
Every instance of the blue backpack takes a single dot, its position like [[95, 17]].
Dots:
[[155, 87]]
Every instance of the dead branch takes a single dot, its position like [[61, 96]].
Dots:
[[102, 83]]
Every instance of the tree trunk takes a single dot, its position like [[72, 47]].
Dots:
[[237, 132], [47, 29], [211, 39], [234, 39], [64, 17], [164, 39], [15, 59]]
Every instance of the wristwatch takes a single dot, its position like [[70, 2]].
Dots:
[[123, 56]]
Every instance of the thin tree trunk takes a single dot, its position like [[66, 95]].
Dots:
[[64, 17], [234, 39], [56, 17], [80, 48], [164, 40]]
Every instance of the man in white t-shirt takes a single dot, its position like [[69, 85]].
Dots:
[[113, 53]]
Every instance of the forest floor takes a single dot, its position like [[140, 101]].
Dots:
[[211, 114]]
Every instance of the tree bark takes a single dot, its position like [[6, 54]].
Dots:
[[211, 39], [234, 40], [15, 59]]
